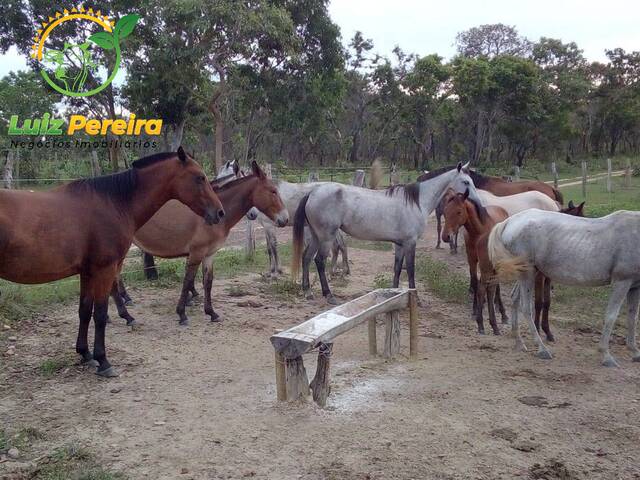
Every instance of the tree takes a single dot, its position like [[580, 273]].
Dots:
[[491, 41]]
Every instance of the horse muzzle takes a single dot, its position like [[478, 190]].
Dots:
[[282, 218], [446, 237], [213, 216], [252, 214]]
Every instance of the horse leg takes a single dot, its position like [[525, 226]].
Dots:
[[633, 302], [453, 244], [618, 293], [189, 276], [491, 293], [472, 260], [397, 265], [478, 304], [307, 255], [272, 250], [120, 305], [321, 256], [150, 270], [439, 228], [84, 313], [546, 305], [515, 326], [334, 257], [102, 284], [410, 259], [500, 305], [207, 273], [527, 287], [539, 293], [122, 290]]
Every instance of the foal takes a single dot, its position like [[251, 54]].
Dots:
[[85, 227], [175, 232], [477, 221]]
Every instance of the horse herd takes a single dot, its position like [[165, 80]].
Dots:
[[166, 206]]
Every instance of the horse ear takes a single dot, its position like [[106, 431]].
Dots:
[[465, 167], [236, 168], [465, 195], [257, 171], [580, 207], [181, 154], [571, 205], [459, 166]]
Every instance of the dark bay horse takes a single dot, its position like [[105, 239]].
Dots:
[[174, 231], [85, 227]]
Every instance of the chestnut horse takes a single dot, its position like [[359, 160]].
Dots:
[[85, 227], [174, 231], [460, 211]]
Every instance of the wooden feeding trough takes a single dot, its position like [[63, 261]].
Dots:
[[318, 332]]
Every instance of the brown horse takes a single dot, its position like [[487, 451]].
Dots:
[[501, 187], [85, 227], [174, 231], [477, 221]]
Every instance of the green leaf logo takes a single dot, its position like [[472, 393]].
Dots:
[[103, 40], [125, 26]]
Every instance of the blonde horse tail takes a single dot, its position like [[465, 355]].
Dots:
[[299, 220], [506, 265], [376, 174]]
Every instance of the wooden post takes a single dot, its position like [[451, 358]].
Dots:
[[358, 178], [393, 175], [313, 176], [584, 180], [296, 380], [609, 183], [627, 174], [267, 170], [413, 324], [320, 383], [554, 171], [250, 246], [516, 173], [392, 335], [373, 341], [95, 164], [281, 387]]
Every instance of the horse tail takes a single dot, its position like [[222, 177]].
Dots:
[[506, 265], [299, 220], [558, 194], [376, 174]]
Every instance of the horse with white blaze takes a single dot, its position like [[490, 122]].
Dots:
[[571, 251], [396, 215]]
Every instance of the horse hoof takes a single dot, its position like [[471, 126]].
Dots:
[[108, 373], [636, 359], [551, 338], [189, 303], [480, 332], [505, 320], [520, 347], [544, 355], [308, 295], [215, 318], [184, 322], [497, 332], [331, 300], [610, 362], [90, 363], [108, 319], [131, 322]]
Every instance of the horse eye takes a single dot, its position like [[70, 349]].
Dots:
[[466, 182]]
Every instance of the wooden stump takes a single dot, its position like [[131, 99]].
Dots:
[[297, 382], [373, 339], [250, 239], [358, 178], [584, 180], [413, 324], [320, 383], [392, 335], [313, 176], [281, 386]]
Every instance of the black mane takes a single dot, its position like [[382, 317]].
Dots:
[[118, 186], [232, 183], [480, 210], [411, 192], [435, 173], [479, 180]]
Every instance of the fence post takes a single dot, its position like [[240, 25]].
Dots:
[[7, 175], [554, 171], [584, 180], [413, 324], [358, 178], [517, 173], [268, 170], [250, 246], [313, 176], [609, 183], [627, 174]]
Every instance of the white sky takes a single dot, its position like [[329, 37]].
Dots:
[[430, 26]]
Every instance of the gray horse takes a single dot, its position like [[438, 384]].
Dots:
[[396, 215], [572, 251]]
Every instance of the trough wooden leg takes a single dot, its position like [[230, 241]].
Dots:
[[413, 324], [392, 335], [373, 340], [320, 383], [281, 386], [297, 382]]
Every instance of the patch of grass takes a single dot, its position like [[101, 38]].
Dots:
[[367, 245], [382, 280], [26, 436], [49, 367], [600, 202], [74, 462], [4, 444], [283, 288], [237, 291], [442, 280]]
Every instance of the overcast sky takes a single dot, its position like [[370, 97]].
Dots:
[[429, 26]]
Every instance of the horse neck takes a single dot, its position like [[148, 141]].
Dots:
[[474, 224], [236, 200], [151, 193], [432, 190]]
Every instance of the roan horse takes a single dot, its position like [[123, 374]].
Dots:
[[396, 215], [571, 251], [175, 232], [85, 227]]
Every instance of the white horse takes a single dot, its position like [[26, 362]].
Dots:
[[518, 202], [396, 215], [572, 251]]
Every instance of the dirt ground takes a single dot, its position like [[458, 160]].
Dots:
[[199, 402]]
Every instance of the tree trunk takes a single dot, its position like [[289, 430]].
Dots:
[[215, 107], [95, 164], [7, 175], [178, 133]]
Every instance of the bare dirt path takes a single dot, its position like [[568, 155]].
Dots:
[[199, 402]]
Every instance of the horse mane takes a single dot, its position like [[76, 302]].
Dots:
[[118, 186], [411, 192], [233, 183], [479, 180], [216, 181], [435, 173], [480, 210]]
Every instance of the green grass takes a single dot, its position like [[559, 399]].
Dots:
[[367, 245], [74, 463], [282, 288], [4, 443], [442, 280], [600, 202], [49, 367], [382, 280]]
